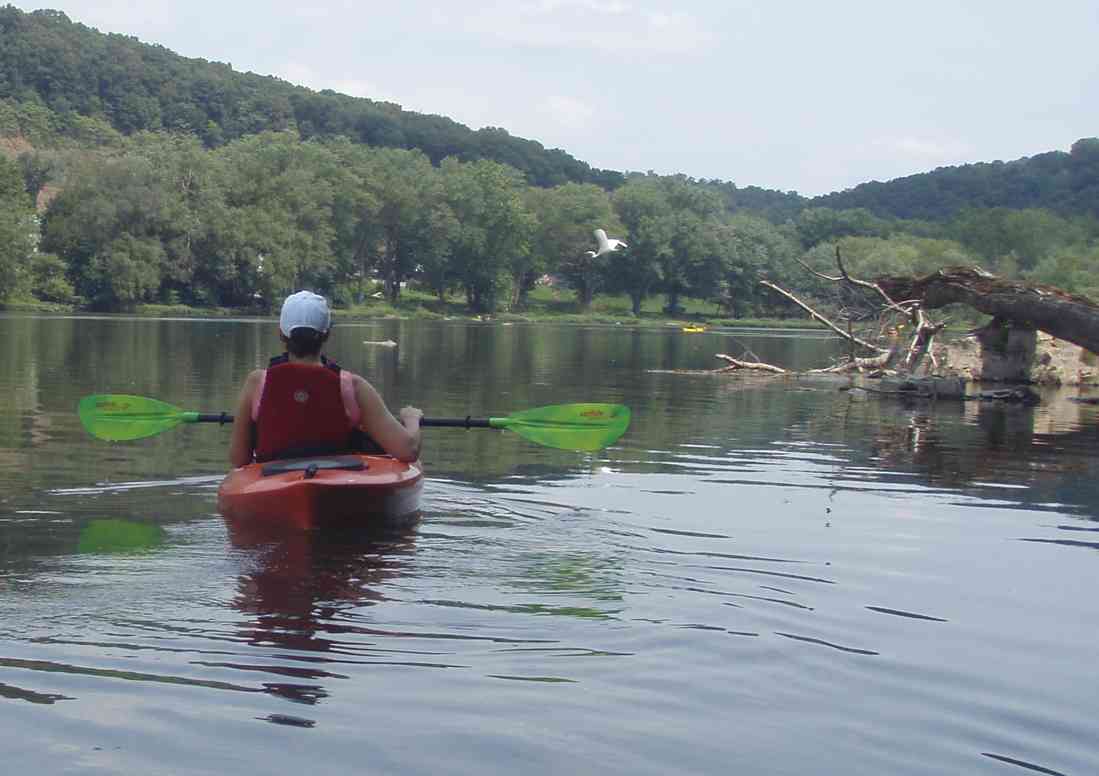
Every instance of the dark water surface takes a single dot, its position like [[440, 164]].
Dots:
[[762, 577]]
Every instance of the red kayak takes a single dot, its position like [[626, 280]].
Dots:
[[333, 490]]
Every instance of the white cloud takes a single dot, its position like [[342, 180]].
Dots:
[[569, 113], [597, 25], [924, 148], [598, 6]]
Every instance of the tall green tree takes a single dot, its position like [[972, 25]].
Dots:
[[18, 229], [108, 225], [400, 224], [753, 248], [692, 261], [278, 230], [568, 216], [494, 227], [432, 246], [643, 207], [195, 188]]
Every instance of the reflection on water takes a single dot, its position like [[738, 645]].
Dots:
[[762, 576], [296, 582], [111, 536], [296, 593]]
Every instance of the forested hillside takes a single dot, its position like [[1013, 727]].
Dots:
[[134, 86], [129, 175], [1066, 183]]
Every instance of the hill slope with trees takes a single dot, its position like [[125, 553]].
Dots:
[[1065, 183], [130, 175], [134, 86]]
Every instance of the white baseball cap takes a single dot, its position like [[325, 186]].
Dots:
[[305, 310]]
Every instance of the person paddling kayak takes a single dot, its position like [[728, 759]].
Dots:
[[305, 405]]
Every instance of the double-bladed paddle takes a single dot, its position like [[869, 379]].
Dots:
[[119, 417]]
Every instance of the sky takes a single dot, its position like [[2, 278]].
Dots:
[[793, 95]]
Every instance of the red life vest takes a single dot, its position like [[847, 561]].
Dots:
[[301, 411]]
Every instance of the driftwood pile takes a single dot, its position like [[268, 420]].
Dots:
[[1038, 334]]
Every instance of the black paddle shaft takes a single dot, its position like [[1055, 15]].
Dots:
[[466, 422]]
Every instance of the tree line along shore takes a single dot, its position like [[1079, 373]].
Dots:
[[135, 180], [158, 219]]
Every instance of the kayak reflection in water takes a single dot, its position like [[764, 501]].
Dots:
[[304, 592], [301, 587], [305, 405]]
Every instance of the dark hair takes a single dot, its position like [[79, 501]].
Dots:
[[304, 341]]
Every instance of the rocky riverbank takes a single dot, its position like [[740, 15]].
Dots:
[[1053, 362]]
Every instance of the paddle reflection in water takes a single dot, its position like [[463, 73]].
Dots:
[[119, 536]]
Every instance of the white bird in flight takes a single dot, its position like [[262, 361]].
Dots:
[[605, 245]]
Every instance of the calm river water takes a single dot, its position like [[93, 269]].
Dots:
[[761, 577]]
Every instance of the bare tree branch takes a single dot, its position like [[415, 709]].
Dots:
[[814, 273], [735, 363], [814, 314]]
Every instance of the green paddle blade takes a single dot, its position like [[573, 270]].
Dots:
[[121, 536], [118, 417], [569, 426]]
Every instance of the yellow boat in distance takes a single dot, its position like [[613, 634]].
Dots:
[[694, 329]]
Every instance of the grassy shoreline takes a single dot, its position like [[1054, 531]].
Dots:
[[543, 307]]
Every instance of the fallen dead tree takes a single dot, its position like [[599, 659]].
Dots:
[[1045, 308], [897, 336], [856, 364], [882, 351]]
